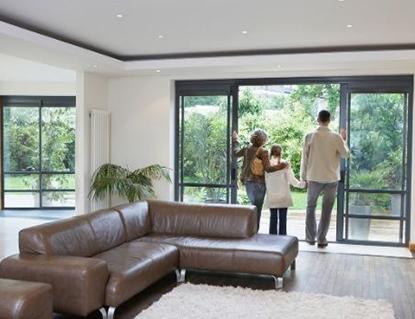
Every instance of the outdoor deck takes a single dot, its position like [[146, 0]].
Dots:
[[380, 230]]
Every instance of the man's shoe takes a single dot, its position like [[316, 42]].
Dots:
[[322, 245], [311, 243]]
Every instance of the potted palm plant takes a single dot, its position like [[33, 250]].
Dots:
[[131, 185]]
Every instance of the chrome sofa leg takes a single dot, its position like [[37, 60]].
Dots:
[[110, 313], [278, 282], [293, 265], [103, 313], [180, 275]]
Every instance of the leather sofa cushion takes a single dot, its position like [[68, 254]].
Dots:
[[136, 219], [25, 300], [226, 221], [78, 283], [108, 229], [81, 236], [72, 236], [134, 266], [259, 254]]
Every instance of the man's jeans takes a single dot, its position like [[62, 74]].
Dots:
[[329, 195], [256, 194]]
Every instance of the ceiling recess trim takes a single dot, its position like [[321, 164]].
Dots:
[[208, 54]]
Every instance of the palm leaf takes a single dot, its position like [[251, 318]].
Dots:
[[136, 185]]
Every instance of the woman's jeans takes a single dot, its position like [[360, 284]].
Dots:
[[278, 215], [256, 194]]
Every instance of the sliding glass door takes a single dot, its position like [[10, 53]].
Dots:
[[376, 188], [38, 152], [203, 173], [373, 202]]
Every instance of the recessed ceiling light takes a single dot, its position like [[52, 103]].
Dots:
[[340, 0], [349, 26], [158, 71], [95, 66], [244, 32], [160, 36], [278, 66], [119, 15]]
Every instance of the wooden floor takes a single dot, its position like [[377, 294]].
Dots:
[[392, 279]]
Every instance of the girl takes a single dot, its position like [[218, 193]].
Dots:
[[278, 192]]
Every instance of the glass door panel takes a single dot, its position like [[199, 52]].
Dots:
[[376, 184], [204, 133], [38, 152]]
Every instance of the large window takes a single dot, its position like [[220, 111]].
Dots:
[[38, 152], [373, 202]]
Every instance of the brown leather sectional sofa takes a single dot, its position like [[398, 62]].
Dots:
[[100, 260]]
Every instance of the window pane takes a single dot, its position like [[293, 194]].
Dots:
[[58, 181], [21, 139], [376, 140], [21, 200], [374, 229], [375, 204], [204, 195], [21, 182], [205, 139], [58, 199], [58, 139]]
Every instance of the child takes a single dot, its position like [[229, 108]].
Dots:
[[278, 195]]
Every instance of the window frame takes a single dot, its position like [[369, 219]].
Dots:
[[40, 102]]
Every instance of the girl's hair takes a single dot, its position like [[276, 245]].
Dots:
[[258, 138], [275, 148]]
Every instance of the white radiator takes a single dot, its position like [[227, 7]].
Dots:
[[100, 148]]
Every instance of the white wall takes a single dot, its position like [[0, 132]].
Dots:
[[142, 128], [91, 93], [38, 88]]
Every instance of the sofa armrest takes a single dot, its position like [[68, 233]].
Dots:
[[78, 283]]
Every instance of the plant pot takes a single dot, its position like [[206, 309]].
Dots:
[[359, 228]]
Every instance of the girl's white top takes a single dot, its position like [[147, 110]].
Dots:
[[278, 187]]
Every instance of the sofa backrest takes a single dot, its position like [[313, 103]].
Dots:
[[136, 219], [82, 236], [211, 220]]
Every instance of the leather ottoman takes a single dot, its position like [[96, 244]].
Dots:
[[25, 300]]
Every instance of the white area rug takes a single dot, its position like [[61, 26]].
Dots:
[[189, 301]]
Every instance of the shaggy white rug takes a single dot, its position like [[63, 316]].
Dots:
[[189, 301]]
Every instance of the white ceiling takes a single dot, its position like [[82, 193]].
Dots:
[[216, 25]]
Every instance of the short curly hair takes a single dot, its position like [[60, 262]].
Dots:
[[258, 138]]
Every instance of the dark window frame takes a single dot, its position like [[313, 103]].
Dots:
[[40, 102], [367, 84]]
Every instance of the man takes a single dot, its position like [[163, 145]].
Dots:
[[320, 169]]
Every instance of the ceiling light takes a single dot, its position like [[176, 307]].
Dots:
[[160, 36], [349, 26], [278, 66], [95, 66], [119, 15], [158, 71], [244, 32], [340, 0]]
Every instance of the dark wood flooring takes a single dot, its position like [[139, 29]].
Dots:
[[369, 277]]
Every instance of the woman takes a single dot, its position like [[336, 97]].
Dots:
[[279, 196], [255, 156]]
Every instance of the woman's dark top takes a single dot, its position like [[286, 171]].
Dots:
[[249, 153]]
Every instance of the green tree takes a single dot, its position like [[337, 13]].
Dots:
[[250, 103]]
